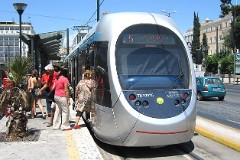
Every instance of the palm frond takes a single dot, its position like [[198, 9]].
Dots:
[[19, 68]]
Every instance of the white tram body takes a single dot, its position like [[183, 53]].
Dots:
[[146, 89]]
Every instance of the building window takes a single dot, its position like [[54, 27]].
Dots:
[[26, 28], [17, 49]]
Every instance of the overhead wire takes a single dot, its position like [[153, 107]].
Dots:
[[89, 20], [45, 16], [94, 13]]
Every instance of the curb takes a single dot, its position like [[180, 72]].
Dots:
[[225, 135]]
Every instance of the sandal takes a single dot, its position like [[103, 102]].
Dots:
[[77, 127], [49, 124], [67, 129], [44, 117]]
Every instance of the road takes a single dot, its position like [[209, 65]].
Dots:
[[225, 112]]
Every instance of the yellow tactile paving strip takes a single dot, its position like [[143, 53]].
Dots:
[[218, 132], [71, 145]]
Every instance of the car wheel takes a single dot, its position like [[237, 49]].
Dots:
[[221, 98], [199, 96]]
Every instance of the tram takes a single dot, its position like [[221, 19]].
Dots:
[[146, 89]]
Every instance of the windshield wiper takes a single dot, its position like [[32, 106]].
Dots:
[[179, 78]]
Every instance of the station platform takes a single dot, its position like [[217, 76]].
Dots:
[[75, 144]]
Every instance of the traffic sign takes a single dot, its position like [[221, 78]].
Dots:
[[238, 56]]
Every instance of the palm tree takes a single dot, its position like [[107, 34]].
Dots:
[[17, 100]]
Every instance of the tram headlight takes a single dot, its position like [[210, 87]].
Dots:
[[138, 103], [176, 102], [145, 104], [183, 101], [132, 96]]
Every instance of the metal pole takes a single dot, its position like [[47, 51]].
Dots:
[[20, 35], [8, 55], [67, 41], [32, 50], [20, 9], [98, 10], [234, 45]]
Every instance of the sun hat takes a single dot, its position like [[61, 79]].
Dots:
[[49, 67]]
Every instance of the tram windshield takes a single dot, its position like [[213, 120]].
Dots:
[[151, 57]]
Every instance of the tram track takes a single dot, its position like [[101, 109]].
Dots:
[[185, 149], [180, 151]]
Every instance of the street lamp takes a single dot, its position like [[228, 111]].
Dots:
[[168, 13], [20, 9], [8, 55]]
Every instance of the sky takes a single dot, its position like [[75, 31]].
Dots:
[[55, 15]]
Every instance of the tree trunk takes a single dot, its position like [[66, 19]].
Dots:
[[17, 126]]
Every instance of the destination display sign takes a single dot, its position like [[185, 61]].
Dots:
[[139, 38]]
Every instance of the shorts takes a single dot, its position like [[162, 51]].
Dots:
[[35, 93], [79, 113]]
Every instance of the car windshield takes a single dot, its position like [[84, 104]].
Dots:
[[213, 81]]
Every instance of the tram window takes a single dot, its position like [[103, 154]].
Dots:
[[162, 58], [91, 58], [103, 96]]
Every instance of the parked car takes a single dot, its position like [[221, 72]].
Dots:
[[210, 87]]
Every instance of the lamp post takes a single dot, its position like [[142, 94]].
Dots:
[[20, 9], [168, 13], [8, 55], [233, 41]]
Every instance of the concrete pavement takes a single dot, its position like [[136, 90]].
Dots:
[[76, 144]]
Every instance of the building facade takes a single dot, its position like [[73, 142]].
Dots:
[[10, 42], [215, 31]]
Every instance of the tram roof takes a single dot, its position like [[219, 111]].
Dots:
[[88, 39]]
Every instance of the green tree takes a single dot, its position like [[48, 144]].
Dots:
[[19, 69], [226, 8], [204, 45], [211, 62], [227, 64], [228, 41], [196, 37]]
